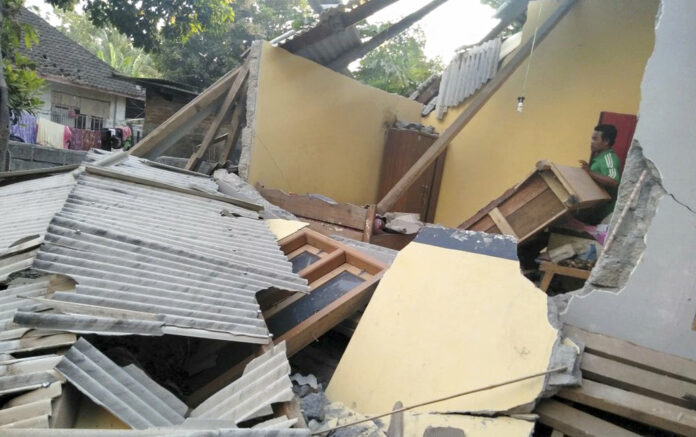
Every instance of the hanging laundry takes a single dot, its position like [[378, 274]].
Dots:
[[76, 139], [91, 139], [25, 128], [67, 135], [50, 134]]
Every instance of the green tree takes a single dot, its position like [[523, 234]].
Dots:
[[108, 44], [399, 65], [20, 86], [202, 58], [151, 22]]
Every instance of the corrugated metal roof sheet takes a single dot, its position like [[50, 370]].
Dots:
[[134, 166], [15, 338], [158, 432], [467, 72], [27, 207], [32, 415], [126, 392], [151, 261], [265, 380], [332, 47], [25, 374]]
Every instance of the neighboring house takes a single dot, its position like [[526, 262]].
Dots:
[[81, 90]]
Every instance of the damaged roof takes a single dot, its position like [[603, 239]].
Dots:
[[127, 392], [334, 34], [151, 261]]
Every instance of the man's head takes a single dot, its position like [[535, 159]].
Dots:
[[603, 137]]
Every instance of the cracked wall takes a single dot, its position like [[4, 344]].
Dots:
[[642, 289]]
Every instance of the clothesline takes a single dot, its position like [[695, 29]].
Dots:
[[51, 134]]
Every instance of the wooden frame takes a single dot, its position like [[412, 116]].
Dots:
[[547, 194], [334, 258]]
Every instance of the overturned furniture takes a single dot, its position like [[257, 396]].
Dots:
[[547, 194]]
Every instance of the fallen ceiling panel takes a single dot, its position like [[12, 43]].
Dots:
[[266, 380], [453, 313], [127, 392]]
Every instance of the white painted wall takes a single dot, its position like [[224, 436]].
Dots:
[[117, 104], [657, 307]]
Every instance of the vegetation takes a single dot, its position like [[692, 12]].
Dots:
[[108, 44], [399, 65]]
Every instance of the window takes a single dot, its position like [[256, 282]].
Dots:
[[96, 123]]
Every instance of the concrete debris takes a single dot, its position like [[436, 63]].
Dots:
[[309, 380], [313, 406]]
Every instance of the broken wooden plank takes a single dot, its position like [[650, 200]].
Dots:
[[230, 98], [478, 101], [642, 357], [633, 406], [343, 214], [183, 117], [576, 423], [638, 380]]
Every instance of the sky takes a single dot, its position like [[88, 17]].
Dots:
[[452, 25], [455, 23]]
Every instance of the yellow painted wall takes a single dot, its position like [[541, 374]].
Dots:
[[592, 61], [317, 131]]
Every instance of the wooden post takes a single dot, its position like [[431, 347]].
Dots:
[[471, 110], [235, 123], [232, 95]]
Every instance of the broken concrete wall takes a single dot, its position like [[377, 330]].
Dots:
[[642, 289], [312, 130]]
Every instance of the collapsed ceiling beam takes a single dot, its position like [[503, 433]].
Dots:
[[185, 119], [479, 100], [336, 22], [384, 36]]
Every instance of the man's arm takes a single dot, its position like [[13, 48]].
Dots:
[[602, 180]]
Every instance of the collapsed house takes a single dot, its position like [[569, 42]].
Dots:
[[149, 297]]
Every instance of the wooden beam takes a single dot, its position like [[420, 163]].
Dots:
[[385, 35], [471, 110], [343, 214], [638, 356], [633, 406], [184, 115], [230, 98], [576, 423], [637, 380], [335, 23], [233, 134]]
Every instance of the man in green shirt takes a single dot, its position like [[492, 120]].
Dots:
[[604, 167]]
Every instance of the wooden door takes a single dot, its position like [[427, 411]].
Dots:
[[401, 151]]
